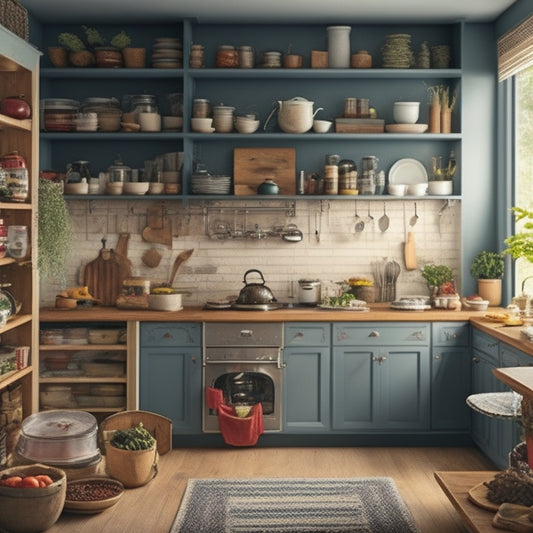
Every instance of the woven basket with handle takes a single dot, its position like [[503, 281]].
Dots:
[[14, 16]]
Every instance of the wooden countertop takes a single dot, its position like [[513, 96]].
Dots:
[[456, 486], [509, 334], [520, 379], [380, 312]]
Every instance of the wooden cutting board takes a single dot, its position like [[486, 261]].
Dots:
[[410, 252], [251, 166], [105, 274]]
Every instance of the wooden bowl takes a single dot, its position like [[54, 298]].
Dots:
[[81, 498]]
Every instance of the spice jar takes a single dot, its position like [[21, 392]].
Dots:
[[347, 177], [227, 57], [201, 108], [350, 108], [246, 57], [363, 108], [331, 179]]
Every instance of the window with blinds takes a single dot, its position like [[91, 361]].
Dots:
[[515, 49]]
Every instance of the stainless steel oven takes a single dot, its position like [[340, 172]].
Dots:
[[245, 361]]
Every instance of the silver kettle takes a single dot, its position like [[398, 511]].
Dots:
[[255, 293]]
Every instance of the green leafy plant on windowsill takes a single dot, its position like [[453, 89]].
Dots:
[[520, 245]]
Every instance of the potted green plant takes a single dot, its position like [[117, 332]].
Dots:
[[78, 54], [436, 276], [55, 233], [134, 57], [488, 268], [5, 311]]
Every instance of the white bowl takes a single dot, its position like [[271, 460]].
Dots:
[[114, 188], [76, 188], [397, 189], [476, 305], [321, 126], [246, 125], [405, 112], [136, 187], [440, 188], [417, 189], [165, 302], [170, 122], [201, 125]]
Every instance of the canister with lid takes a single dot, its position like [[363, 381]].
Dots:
[[58, 114], [196, 56], [331, 179], [108, 110], [146, 112], [223, 118], [246, 57], [17, 180], [227, 56], [347, 177], [201, 108]]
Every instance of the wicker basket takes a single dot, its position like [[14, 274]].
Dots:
[[14, 16]]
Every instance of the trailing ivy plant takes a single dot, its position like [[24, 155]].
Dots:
[[55, 232]]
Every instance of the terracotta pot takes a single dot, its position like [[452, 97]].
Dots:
[[491, 290], [134, 57], [83, 58], [58, 56], [108, 58]]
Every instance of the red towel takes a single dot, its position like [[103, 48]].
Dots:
[[213, 398], [236, 431], [240, 431]]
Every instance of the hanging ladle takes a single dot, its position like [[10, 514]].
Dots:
[[359, 222], [384, 221], [414, 218], [370, 217]]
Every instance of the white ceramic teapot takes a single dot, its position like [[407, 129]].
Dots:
[[294, 115]]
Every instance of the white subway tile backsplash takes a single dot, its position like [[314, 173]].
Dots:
[[217, 267]]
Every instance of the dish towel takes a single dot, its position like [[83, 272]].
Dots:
[[236, 431]]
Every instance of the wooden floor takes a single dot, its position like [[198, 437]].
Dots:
[[151, 509]]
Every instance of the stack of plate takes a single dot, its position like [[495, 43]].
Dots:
[[396, 52], [411, 303], [211, 184], [167, 52]]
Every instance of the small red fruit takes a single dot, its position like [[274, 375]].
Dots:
[[30, 482]]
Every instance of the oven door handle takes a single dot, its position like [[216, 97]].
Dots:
[[247, 362]]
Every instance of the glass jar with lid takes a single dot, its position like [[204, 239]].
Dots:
[[144, 103], [347, 177], [227, 56], [201, 108], [108, 110], [59, 114]]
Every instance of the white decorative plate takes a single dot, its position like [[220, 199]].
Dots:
[[408, 171]]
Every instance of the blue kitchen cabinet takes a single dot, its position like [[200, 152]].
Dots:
[[488, 432], [306, 378], [450, 376], [380, 376], [170, 373]]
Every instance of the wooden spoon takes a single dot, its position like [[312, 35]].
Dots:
[[180, 259]]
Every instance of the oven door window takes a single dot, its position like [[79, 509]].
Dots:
[[247, 388]]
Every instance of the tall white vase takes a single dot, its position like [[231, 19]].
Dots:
[[339, 46]]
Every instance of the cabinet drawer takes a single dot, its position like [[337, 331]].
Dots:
[[307, 334], [450, 333], [170, 334], [510, 356], [486, 344], [380, 334]]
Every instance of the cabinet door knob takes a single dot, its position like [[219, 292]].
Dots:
[[437, 357], [374, 334], [193, 359], [167, 335], [475, 360]]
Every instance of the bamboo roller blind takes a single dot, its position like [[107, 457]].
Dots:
[[515, 49]]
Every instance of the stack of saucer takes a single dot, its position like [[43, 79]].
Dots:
[[396, 52], [167, 52]]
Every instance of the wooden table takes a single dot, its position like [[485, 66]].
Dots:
[[456, 486]]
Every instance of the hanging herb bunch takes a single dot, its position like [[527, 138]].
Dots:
[[55, 232]]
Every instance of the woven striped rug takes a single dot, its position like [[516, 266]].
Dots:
[[293, 505]]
